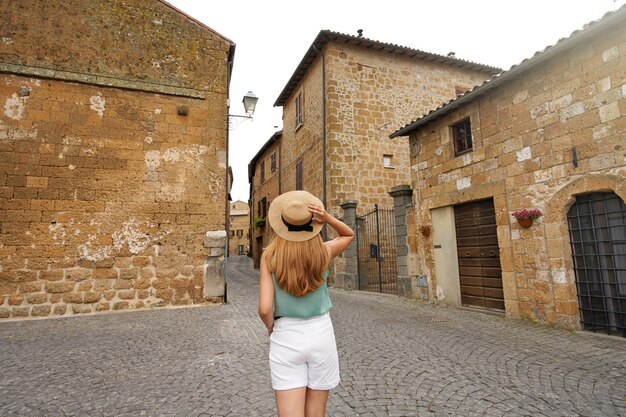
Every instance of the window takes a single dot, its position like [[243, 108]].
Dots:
[[240, 233], [462, 134], [263, 207], [262, 171], [273, 161], [299, 174], [232, 233], [387, 161], [299, 113], [240, 250]]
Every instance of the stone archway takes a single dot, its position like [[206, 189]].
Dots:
[[557, 240]]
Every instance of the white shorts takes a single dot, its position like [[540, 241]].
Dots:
[[303, 353]]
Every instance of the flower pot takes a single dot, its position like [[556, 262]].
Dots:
[[525, 223]]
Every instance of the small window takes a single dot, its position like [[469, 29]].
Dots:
[[388, 161], [299, 174], [273, 161], [262, 171], [263, 207], [462, 134], [299, 112], [239, 233], [232, 233]]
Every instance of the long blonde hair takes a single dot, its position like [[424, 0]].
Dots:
[[298, 265]]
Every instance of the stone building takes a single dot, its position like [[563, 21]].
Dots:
[[239, 238], [264, 175], [341, 103], [343, 100], [548, 134], [113, 140]]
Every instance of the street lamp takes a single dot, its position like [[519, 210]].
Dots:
[[249, 104]]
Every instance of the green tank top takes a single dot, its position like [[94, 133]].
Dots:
[[312, 304]]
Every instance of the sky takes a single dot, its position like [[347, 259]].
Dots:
[[272, 36]]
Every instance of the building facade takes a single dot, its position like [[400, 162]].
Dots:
[[341, 104], [548, 134], [339, 107], [264, 176], [113, 147], [239, 237]]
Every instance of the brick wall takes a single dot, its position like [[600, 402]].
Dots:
[[109, 199], [523, 135], [268, 189]]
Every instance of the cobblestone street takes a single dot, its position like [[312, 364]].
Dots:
[[398, 358]]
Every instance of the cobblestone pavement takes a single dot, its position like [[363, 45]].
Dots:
[[398, 358]]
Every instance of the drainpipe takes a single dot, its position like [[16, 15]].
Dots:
[[324, 234]]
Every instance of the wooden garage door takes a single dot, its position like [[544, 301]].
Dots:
[[479, 255]]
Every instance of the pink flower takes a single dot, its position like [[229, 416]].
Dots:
[[527, 213]]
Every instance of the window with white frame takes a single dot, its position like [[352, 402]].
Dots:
[[388, 161], [273, 161]]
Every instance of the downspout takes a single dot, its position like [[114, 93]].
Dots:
[[324, 233]]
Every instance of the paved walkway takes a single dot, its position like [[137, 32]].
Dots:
[[398, 358]]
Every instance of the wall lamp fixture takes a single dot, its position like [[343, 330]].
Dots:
[[249, 104]]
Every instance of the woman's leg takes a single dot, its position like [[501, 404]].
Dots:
[[315, 403], [290, 403]]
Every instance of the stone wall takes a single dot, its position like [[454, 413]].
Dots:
[[369, 95], [523, 134], [110, 198], [304, 142]]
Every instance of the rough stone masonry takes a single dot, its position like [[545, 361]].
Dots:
[[112, 157]]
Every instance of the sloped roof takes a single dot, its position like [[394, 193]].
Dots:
[[326, 36], [589, 30]]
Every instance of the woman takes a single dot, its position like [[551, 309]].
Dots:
[[294, 303]]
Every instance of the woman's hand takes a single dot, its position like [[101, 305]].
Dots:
[[319, 214]]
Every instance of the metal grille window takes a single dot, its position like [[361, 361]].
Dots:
[[299, 114], [299, 174], [273, 162], [462, 134], [262, 171], [597, 228]]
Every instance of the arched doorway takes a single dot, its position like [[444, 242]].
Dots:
[[597, 229]]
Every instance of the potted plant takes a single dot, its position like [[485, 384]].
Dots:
[[525, 217], [425, 229], [258, 222]]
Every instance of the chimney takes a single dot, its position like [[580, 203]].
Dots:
[[360, 32]]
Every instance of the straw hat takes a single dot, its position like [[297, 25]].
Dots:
[[290, 218]]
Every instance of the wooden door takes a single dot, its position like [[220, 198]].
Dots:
[[479, 255]]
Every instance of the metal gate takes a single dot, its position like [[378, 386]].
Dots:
[[376, 243], [597, 229]]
